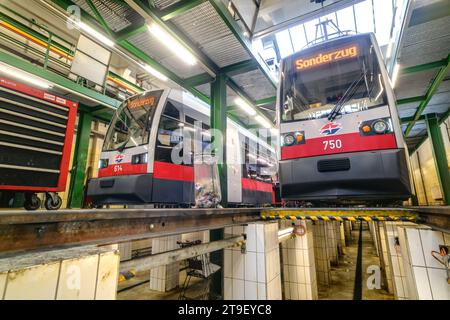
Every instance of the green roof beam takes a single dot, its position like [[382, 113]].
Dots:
[[99, 17], [240, 67], [198, 80], [266, 101], [130, 31], [430, 92], [410, 100], [234, 27], [425, 66]]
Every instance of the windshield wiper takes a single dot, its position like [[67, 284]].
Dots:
[[349, 93]]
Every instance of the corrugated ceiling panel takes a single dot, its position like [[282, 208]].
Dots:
[[407, 110], [162, 4], [204, 27], [205, 89], [117, 16], [153, 47], [255, 84], [426, 42], [414, 84], [225, 51]]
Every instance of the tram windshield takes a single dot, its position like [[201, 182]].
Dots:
[[131, 124], [338, 78]]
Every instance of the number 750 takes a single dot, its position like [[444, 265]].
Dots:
[[332, 144]]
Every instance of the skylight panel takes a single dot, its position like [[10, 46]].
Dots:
[[346, 19], [284, 43], [364, 16]]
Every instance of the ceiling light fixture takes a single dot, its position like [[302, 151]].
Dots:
[[245, 106], [154, 72], [263, 122], [172, 44], [95, 34], [13, 72]]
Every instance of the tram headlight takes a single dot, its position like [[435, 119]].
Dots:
[[139, 158], [103, 163], [289, 140], [380, 126]]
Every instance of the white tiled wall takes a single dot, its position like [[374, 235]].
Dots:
[[399, 279], [254, 275], [165, 278], [321, 253], [82, 273], [426, 277], [299, 271]]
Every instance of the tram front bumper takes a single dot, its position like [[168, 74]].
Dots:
[[129, 189], [367, 175]]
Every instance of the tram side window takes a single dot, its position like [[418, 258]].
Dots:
[[167, 139], [168, 133]]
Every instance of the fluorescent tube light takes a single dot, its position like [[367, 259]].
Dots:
[[245, 106], [16, 73], [263, 122], [154, 72], [172, 44], [95, 34]]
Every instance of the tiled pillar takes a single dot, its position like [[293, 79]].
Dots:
[[337, 229], [331, 242], [348, 232], [426, 277], [125, 250], [342, 236], [165, 278], [255, 273], [384, 257], [399, 277], [374, 234], [321, 253], [299, 271]]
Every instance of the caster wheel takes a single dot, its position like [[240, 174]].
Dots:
[[51, 204], [32, 202]]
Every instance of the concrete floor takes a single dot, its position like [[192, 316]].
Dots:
[[343, 275]]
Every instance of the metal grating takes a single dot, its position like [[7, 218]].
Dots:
[[407, 110], [255, 84], [203, 26], [118, 16], [153, 47], [426, 42], [162, 4], [414, 84]]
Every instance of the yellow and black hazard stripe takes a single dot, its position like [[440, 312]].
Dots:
[[338, 218]]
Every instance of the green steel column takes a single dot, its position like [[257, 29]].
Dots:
[[78, 172], [219, 122], [440, 158]]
